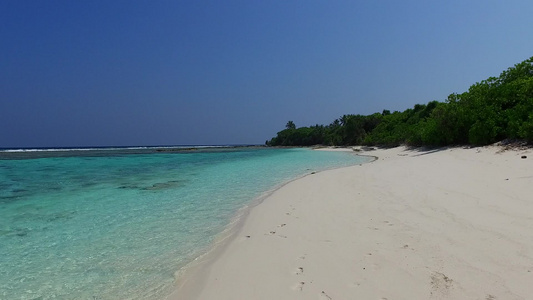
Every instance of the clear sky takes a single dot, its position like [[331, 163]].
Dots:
[[115, 73]]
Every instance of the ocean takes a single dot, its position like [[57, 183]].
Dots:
[[120, 223]]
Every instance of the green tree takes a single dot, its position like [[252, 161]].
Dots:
[[491, 110], [290, 125]]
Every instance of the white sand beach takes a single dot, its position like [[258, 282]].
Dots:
[[445, 224]]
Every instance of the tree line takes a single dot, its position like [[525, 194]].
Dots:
[[492, 110]]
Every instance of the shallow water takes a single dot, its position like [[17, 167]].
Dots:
[[118, 224]]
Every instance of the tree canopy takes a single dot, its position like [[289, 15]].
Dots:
[[491, 110]]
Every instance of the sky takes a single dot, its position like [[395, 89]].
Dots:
[[123, 73]]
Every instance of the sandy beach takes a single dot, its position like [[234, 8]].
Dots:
[[454, 223]]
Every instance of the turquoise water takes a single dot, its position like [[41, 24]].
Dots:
[[115, 224]]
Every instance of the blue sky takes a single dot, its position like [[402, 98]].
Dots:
[[104, 73]]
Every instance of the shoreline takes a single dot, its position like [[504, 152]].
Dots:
[[411, 225], [189, 279]]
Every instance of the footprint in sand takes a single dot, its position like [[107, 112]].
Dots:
[[278, 235], [440, 283], [299, 271], [273, 232], [299, 286], [323, 295]]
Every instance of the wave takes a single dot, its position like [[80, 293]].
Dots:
[[85, 149], [125, 149]]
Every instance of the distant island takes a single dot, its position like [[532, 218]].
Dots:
[[495, 109]]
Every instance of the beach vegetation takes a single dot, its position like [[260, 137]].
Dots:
[[491, 110], [290, 125]]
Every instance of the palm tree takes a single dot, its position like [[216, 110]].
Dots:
[[290, 125]]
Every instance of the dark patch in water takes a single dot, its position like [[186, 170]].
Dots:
[[8, 199], [54, 188], [67, 215], [164, 185], [14, 195], [47, 169], [15, 232], [128, 186], [88, 184]]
